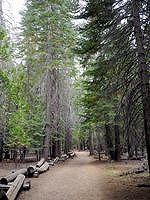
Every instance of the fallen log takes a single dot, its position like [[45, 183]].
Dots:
[[3, 195], [63, 157], [31, 170], [43, 168], [26, 185], [137, 170], [36, 174], [10, 177], [137, 158], [70, 152], [40, 163], [4, 187], [51, 163], [143, 185], [145, 164], [56, 160], [15, 187], [72, 155]]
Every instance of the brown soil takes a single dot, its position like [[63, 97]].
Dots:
[[86, 179], [83, 178]]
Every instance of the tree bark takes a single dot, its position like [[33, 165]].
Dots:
[[117, 140], [40, 163], [12, 176], [98, 142], [43, 168], [67, 140], [1, 146], [91, 149], [109, 141], [46, 141], [15, 187], [51, 109], [143, 72], [1, 13]]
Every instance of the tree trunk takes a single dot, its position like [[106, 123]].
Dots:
[[91, 149], [117, 141], [109, 141], [1, 147], [98, 143], [81, 145], [129, 146], [1, 13], [67, 141], [54, 149], [46, 141], [59, 146], [143, 146], [51, 109], [143, 73]]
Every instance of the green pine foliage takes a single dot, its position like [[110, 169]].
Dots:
[[107, 51], [16, 108], [4, 45]]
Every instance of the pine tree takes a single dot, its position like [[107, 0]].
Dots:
[[110, 34], [48, 37]]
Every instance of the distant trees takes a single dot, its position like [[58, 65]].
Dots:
[[114, 52]]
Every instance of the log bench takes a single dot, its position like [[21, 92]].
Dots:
[[10, 177], [14, 189]]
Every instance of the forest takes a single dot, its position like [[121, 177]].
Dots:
[[75, 77]]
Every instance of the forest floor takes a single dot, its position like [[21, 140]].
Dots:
[[84, 178]]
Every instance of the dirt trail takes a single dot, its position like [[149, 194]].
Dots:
[[79, 179]]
